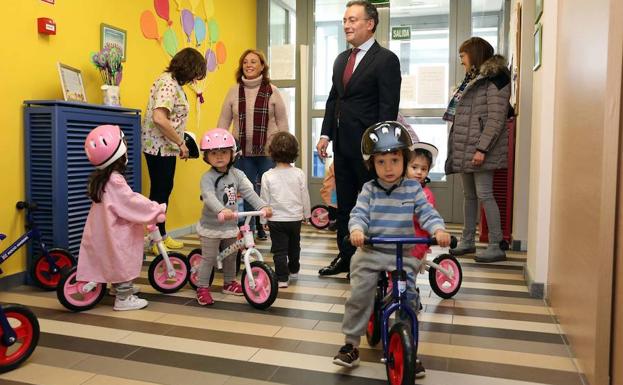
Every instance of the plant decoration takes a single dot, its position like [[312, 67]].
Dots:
[[108, 62]]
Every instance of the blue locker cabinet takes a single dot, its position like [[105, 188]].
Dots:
[[57, 169]]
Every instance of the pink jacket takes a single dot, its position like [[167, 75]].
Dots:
[[112, 242], [419, 251]]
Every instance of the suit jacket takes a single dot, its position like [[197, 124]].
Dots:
[[372, 95]]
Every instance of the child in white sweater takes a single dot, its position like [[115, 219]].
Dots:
[[284, 188]]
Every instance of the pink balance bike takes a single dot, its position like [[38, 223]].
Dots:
[[259, 282], [320, 217]]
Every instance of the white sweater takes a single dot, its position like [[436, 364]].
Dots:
[[285, 191]]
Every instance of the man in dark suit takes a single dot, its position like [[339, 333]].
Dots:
[[366, 90]]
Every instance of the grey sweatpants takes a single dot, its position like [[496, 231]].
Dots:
[[124, 290], [209, 252], [364, 273]]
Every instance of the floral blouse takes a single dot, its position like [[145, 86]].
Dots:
[[165, 93]]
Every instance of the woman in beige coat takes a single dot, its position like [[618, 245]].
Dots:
[[478, 141], [257, 111]]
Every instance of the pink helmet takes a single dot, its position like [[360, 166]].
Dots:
[[217, 138], [104, 145]]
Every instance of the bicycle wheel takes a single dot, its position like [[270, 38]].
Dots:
[[194, 260], [41, 271], [26, 327], [319, 217], [265, 291], [400, 363], [444, 286], [159, 278], [373, 331], [71, 294]]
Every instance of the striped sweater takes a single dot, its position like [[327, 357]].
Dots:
[[378, 213]]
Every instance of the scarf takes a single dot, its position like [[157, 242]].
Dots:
[[260, 118], [451, 110]]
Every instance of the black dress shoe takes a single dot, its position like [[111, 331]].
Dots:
[[336, 267]]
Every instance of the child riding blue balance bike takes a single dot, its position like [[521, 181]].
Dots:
[[400, 344]]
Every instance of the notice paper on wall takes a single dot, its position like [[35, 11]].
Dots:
[[430, 85]]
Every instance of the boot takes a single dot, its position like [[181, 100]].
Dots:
[[493, 253], [465, 246]]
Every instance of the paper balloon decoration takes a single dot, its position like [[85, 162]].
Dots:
[[170, 42], [221, 52], [200, 30], [211, 60], [149, 25], [208, 6], [213, 28], [162, 9], [188, 23]]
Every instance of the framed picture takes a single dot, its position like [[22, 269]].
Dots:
[[116, 36], [538, 10], [71, 81], [538, 44]]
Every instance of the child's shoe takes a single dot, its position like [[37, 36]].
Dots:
[[172, 243], [261, 234], [130, 303], [348, 356], [420, 372], [204, 297], [294, 276], [233, 288], [282, 284], [135, 290]]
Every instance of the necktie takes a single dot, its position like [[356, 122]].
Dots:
[[350, 66]]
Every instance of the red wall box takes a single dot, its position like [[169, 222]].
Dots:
[[46, 26]]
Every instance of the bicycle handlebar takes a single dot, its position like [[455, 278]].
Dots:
[[242, 214], [403, 241]]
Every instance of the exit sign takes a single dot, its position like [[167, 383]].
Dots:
[[401, 33], [379, 2]]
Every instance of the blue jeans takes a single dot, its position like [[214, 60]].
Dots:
[[254, 167]]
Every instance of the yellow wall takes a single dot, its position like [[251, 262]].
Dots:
[[28, 68]]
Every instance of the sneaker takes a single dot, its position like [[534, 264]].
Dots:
[[348, 356], [261, 235], [130, 303], [204, 297], [420, 372], [135, 290], [332, 226], [171, 243], [294, 276], [282, 284], [233, 288]]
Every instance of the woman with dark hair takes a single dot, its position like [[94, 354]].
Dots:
[[478, 141], [257, 111], [164, 125]]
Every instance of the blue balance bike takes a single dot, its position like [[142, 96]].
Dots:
[[400, 343], [46, 268]]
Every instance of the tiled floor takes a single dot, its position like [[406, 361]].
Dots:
[[492, 332]]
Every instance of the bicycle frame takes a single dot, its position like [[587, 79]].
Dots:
[[245, 242]]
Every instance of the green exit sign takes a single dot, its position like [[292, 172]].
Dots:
[[377, 2], [401, 33]]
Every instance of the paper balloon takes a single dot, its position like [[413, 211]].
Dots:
[[193, 4], [162, 9], [188, 23], [200, 30], [221, 52], [170, 42], [211, 60], [208, 6], [213, 27], [149, 25]]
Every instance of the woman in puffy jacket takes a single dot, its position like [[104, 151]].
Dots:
[[478, 141]]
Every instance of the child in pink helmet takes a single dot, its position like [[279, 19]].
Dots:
[[112, 241], [219, 190]]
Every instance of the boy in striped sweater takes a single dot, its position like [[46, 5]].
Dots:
[[385, 207]]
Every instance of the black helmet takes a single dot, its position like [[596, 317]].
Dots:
[[383, 137]]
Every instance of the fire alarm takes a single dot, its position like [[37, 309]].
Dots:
[[46, 26]]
